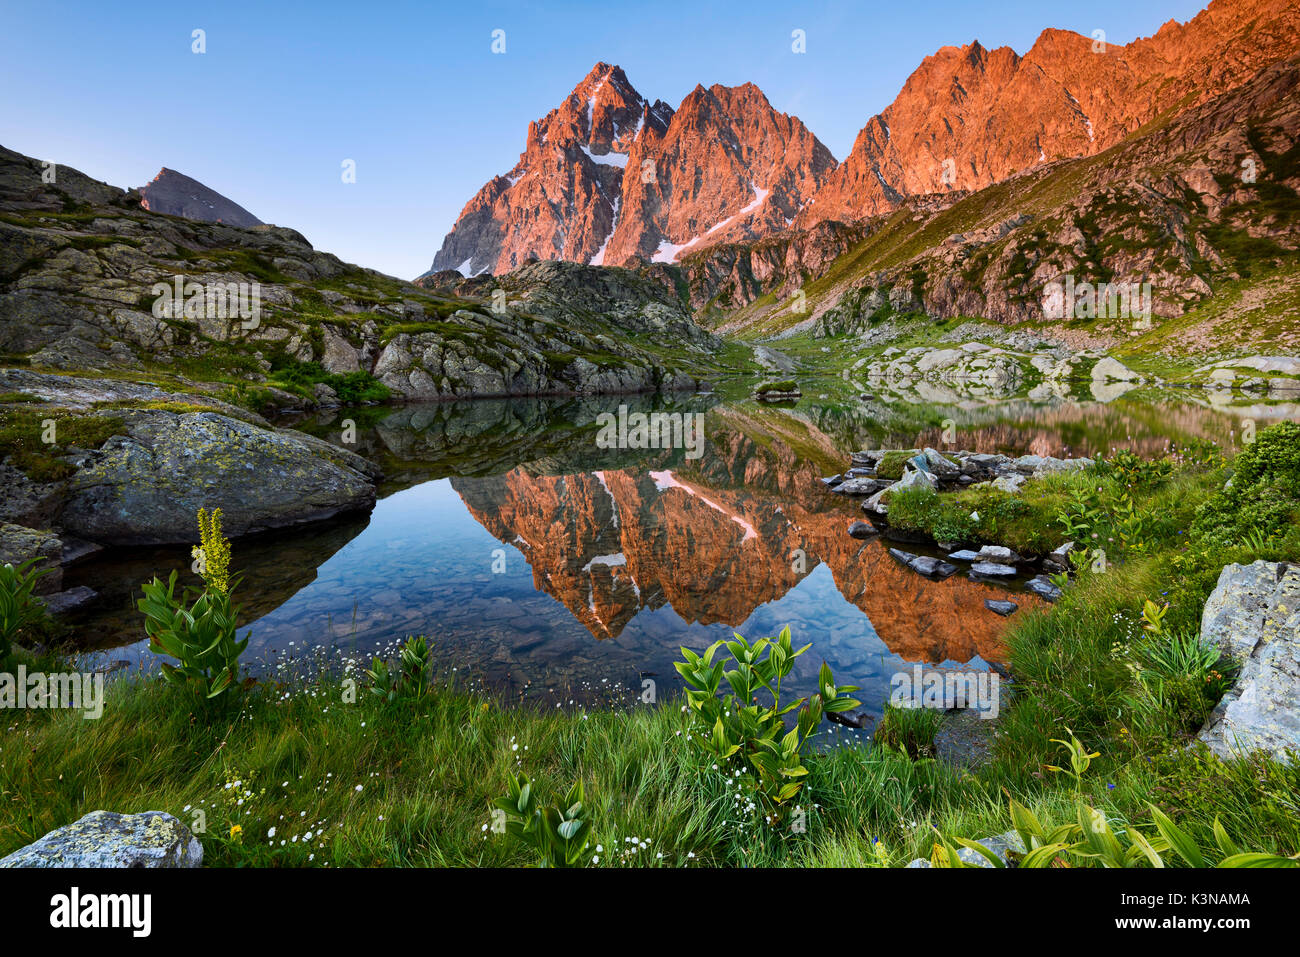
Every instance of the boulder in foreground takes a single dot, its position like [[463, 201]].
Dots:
[[1253, 615], [144, 487], [106, 839]]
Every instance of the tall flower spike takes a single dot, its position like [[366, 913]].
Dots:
[[216, 550]]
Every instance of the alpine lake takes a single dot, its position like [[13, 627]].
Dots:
[[556, 572]]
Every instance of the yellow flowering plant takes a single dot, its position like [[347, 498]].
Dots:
[[201, 636]]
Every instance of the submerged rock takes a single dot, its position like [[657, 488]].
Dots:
[[106, 839], [63, 602], [862, 530]]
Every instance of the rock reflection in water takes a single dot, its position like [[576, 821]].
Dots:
[[539, 564]]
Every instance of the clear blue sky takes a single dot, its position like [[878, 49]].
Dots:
[[413, 93]]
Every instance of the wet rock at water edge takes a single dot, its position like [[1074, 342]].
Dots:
[[832, 480], [1043, 587], [857, 718], [1059, 559], [862, 530], [924, 564], [1000, 606], [965, 555], [107, 839], [869, 458], [861, 486], [998, 555], [143, 487], [991, 571]]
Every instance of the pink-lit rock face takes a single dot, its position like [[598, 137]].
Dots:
[[609, 177]]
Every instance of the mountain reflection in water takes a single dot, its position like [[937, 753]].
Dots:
[[544, 567]]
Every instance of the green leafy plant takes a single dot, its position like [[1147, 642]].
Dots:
[[1153, 616], [1132, 525], [561, 836], [735, 729], [18, 606], [1083, 515], [409, 683], [1093, 840], [202, 634], [1263, 495], [1080, 758], [1133, 470]]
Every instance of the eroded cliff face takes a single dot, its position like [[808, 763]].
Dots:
[[969, 117], [716, 541], [608, 176]]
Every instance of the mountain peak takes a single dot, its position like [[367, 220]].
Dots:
[[176, 194], [704, 174]]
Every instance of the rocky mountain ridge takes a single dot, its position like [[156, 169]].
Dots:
[[608, 177], [725, 167]]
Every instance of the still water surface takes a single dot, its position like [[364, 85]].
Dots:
[[551, 570]]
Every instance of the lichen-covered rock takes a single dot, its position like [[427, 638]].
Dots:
[[1253, 615], [107, 839], [999, 844], [145, 487], [19, 544]]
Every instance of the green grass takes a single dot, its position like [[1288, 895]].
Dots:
[[22, 435]]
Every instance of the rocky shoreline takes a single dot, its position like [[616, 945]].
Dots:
[[877, 473]]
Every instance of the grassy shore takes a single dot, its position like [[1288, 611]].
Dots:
[[292, 774]]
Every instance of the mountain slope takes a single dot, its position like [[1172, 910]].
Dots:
[[176, 194], [1201, 207], [969, 117], [82, 265]]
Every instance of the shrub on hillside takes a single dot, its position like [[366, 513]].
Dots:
[[1263, 497]]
